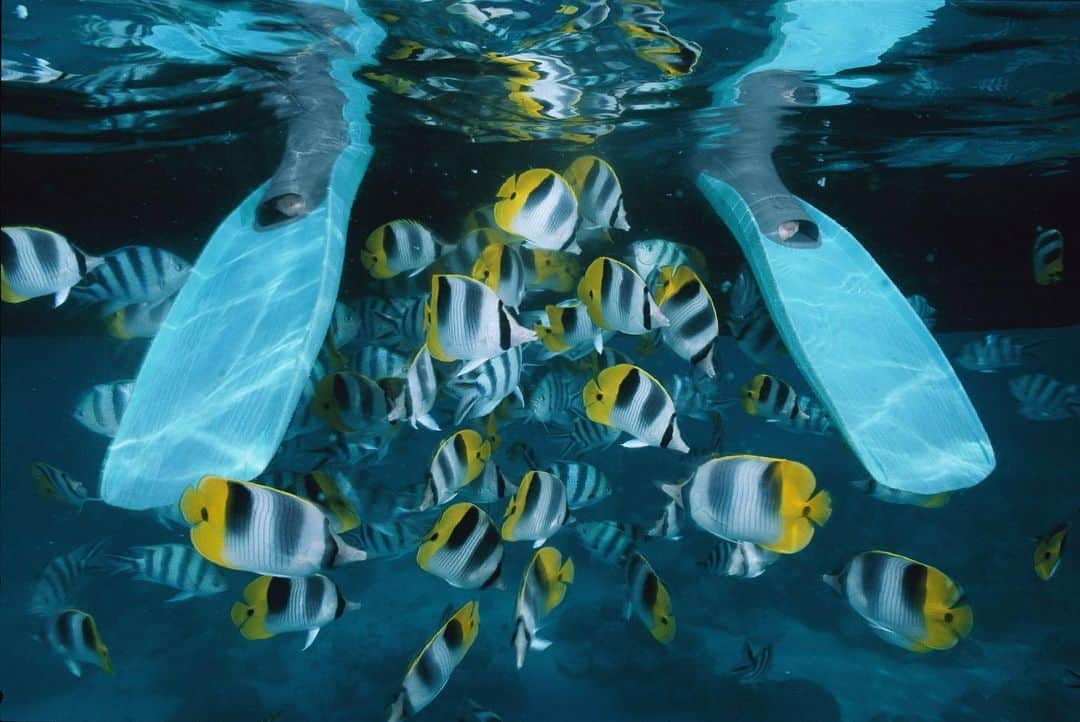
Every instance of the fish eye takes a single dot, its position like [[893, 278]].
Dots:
[[590, 294], [806, 511], [434, 536], [599, 397], [948, 616], [205, 514], [250, 611], [513, 195], [1046, 555], [663, 620]]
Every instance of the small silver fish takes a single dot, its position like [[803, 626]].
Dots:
[[101, 407]]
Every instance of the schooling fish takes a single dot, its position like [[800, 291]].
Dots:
[[649, 256], [895, 496], [777, 401], [648, 599], [585, 435], [1048, 256], [101, 407], [1045, 399], [467, 320], [537, 510], [543, 587], [501, 269], [481, 390], [278, 605], [599, 193], [406, 319], [254, 528], [386, 540], [756, 666], [773, 503], [617, 299], [540, 206], [463, 548], [400, 246], [418, 395], [492, 485], [62, 576], [749, 322], [552, 398], [994, 352], [585, 484], [171, 565], [568, 328], [610, 542], [132, 275], [324, 490], [458, 460], [73, 635], [37, 262], [430, 670], [53, 483], [347, 401], [1048, 551], [142, 320], [693, 327], [628, 398], [672, 522], [738, 559], [379, 362], [906, 603]]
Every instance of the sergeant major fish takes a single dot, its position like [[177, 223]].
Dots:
[[1045, 399], [101, 407], [610, 542], [132, 275], [62, 576], [738, 559], [585, 484], [1048, 256], [994, 352], [171, 565]]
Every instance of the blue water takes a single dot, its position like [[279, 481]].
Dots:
[[131, 122]]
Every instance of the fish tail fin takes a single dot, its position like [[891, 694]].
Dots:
[[117, 564], [347, 554], [566, 572], [674, 490], [819, 508]]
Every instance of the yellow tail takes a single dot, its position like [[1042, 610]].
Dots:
[[819, 508]]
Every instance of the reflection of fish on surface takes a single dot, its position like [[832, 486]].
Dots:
[[756, 666]]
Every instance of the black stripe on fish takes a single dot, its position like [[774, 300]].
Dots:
[[463, 529], [239, 504], [914, 586], [539, 194], [7, 251], [63, 630], [389, 242], [504, 328], [607, 278], [592, 175], [313, 596], [669, 433], [615, 212], [443, 310], [650, 590], [532, 496], [494, 578], [427, 669], [453, 635], [628, 388], [340, 609], [277, 595], [654, 403], [341, 391]]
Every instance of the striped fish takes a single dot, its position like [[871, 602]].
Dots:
[[907, 603], [994, 352], [346, 325], [738, 559], [463, 257], [599, 193], [62, 576], [777, 401], [73, 635], [467, 320], [400, 246], [539, 206], [430, 670], [689, 308], [278, 605], [53, 483], [378, 362], [463, 548], [628, 398], [419, 393], [610, 542], [756, 664], [171, 565], [350, 402], [143, 320], [537, 510], [672, 522], [749, 322], [501, 269], [406, 318], [304, 421], [649, 256], [553, 398], [1048, 256], [773, 503], [492, 485], [543, 587], [131, 275], [458, 460], [568, 328], [481, 390], [618, 300], [254, 528], [586, 435], [373, 318], [585, 484], [101, 407], [648, 599], [385, 541], [37, 262], [1045, 399]]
